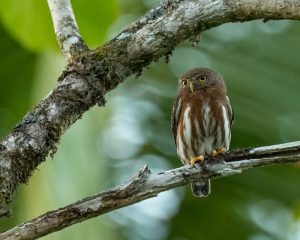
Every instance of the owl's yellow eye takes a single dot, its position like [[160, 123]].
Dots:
[[202, 78], [184, 83]]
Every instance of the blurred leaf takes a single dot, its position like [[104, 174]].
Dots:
[[29, 22], [94, 19], [16, 77]]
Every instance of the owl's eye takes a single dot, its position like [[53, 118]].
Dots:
[[203, 78], [184, 83]]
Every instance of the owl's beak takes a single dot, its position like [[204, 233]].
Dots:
[[192, 86]]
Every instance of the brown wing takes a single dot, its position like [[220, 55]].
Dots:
[[230, 112], [232, 117], [176, 110]]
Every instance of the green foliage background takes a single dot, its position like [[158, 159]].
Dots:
[[260, 63]]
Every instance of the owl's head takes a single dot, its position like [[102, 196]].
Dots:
[[200, 78]]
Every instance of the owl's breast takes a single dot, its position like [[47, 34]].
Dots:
[[203, 127]]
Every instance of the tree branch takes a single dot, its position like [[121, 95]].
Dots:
[[144, 185], [92, 74], [66, 29]]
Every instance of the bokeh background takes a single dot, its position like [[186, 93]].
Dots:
[[260, 63]]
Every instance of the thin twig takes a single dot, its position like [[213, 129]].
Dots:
[[144, 185], [66, 29]]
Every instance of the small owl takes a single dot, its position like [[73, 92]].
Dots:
[[201, 120]]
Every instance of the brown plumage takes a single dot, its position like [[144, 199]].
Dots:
[[201, 119]]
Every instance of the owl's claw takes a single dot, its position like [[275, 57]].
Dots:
[[214, 153], [197, 159], [222, 150], [218, 151]]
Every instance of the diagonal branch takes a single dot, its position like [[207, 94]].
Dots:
[[66, 29], [144, 185], [94, 73]]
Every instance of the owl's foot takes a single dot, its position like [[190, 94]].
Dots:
[[214, 153], [221, 150], [218, 151], [197, 159]]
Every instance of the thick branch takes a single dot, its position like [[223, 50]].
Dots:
[[144, 185], [86, 81], [66, 29]]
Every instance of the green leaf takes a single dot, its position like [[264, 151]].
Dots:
[[29, 22], [16, 79], [94, 18]]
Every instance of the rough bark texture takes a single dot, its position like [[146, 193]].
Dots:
[[145, 184], [91, 75]]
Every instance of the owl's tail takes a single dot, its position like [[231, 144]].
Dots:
[[202, 188]]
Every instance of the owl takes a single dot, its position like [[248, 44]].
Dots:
[[201, 120]]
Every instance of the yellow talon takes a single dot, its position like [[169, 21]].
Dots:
[[222, 150], [196, 159], [214, 153]]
